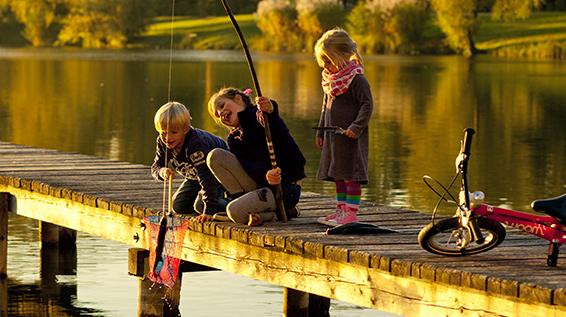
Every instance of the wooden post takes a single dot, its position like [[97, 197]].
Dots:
[[48, 235], [4, 297], [4, 202], [298, 303], [58, 256], [319, 306], [48, 270], [295, 303], [153, 299], [54, 236]]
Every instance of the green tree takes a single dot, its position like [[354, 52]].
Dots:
[[508, 10], [102, 23], [38, 17], [317, 16], [388, 27], [277, 20], [457, 19], [11, 30], [366, 25]]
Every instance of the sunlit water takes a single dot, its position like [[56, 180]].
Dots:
[[102, 103]]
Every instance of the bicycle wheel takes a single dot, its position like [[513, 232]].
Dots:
[[447, 237]]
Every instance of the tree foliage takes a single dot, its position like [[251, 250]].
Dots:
[[103, 23], [317, 16], [388, 26], [457, 19], [365, 23], [38, 18], [201, 8], [277, 20]]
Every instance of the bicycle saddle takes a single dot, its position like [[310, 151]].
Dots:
[[555, 207]]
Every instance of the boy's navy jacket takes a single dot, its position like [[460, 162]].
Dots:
[[248, 144], [191, 163]]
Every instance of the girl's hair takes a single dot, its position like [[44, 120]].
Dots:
[[230, 93], [338, 47], [172, 115]]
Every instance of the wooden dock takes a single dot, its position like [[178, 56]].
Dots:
[[388, 272]]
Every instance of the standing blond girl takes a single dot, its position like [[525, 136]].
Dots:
[[347, 105]]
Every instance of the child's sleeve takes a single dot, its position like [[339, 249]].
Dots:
[[362, 96], [158, 161]]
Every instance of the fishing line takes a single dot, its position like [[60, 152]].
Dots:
[[169, 84], [171, 49]]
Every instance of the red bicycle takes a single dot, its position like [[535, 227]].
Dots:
[[477, 227]]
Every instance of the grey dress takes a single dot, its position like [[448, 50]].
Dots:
[[344, 158]]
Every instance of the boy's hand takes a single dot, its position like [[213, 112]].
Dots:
[[274, 176], [202, 218], [165, 173], [264, 104]]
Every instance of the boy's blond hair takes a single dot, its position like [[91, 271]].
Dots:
[[338, 47], [172, 115]]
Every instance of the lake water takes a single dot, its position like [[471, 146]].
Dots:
[[102, 103]]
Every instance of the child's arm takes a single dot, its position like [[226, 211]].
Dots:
[[319, 140], [273, 176], [264, 104], [158, 169], [362, 95]]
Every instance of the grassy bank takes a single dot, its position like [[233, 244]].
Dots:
[[199, 33], [541, 36]]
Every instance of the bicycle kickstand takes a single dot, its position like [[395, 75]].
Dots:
[[553, 250]]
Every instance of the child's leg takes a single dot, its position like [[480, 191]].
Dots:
[[340, 200], [341, 193], [229, 172], [259, 201], [222, 201], [353, 193], [184, 198]]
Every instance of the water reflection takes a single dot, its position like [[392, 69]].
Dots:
[[103, 103]]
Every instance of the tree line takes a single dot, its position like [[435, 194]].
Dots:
[[95, 23], [379, 26]]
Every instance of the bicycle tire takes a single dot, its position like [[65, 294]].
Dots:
[[437, 237]]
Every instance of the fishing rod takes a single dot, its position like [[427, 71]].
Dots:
[[281, 215]]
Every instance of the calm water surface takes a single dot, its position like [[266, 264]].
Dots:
[[102, 104]]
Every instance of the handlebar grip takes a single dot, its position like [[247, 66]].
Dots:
[[468, 140]]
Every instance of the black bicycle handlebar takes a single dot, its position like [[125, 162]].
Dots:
[[468, 140]]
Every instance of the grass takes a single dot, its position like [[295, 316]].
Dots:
[[199, 33], [539, 28]]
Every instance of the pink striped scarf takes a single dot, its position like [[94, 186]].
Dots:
[[336, 84]]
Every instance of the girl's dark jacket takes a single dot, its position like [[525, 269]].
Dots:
[[191, 163], [249, 145]]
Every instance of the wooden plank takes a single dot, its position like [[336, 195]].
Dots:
[[9, 169]]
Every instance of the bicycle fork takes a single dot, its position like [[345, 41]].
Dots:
[[467, 217]]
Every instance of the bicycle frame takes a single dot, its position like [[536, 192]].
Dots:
[[542, 226]]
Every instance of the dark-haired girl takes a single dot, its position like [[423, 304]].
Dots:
[[245, 170]]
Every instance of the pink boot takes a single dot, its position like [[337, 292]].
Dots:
[[340, 207], [347, 216]]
